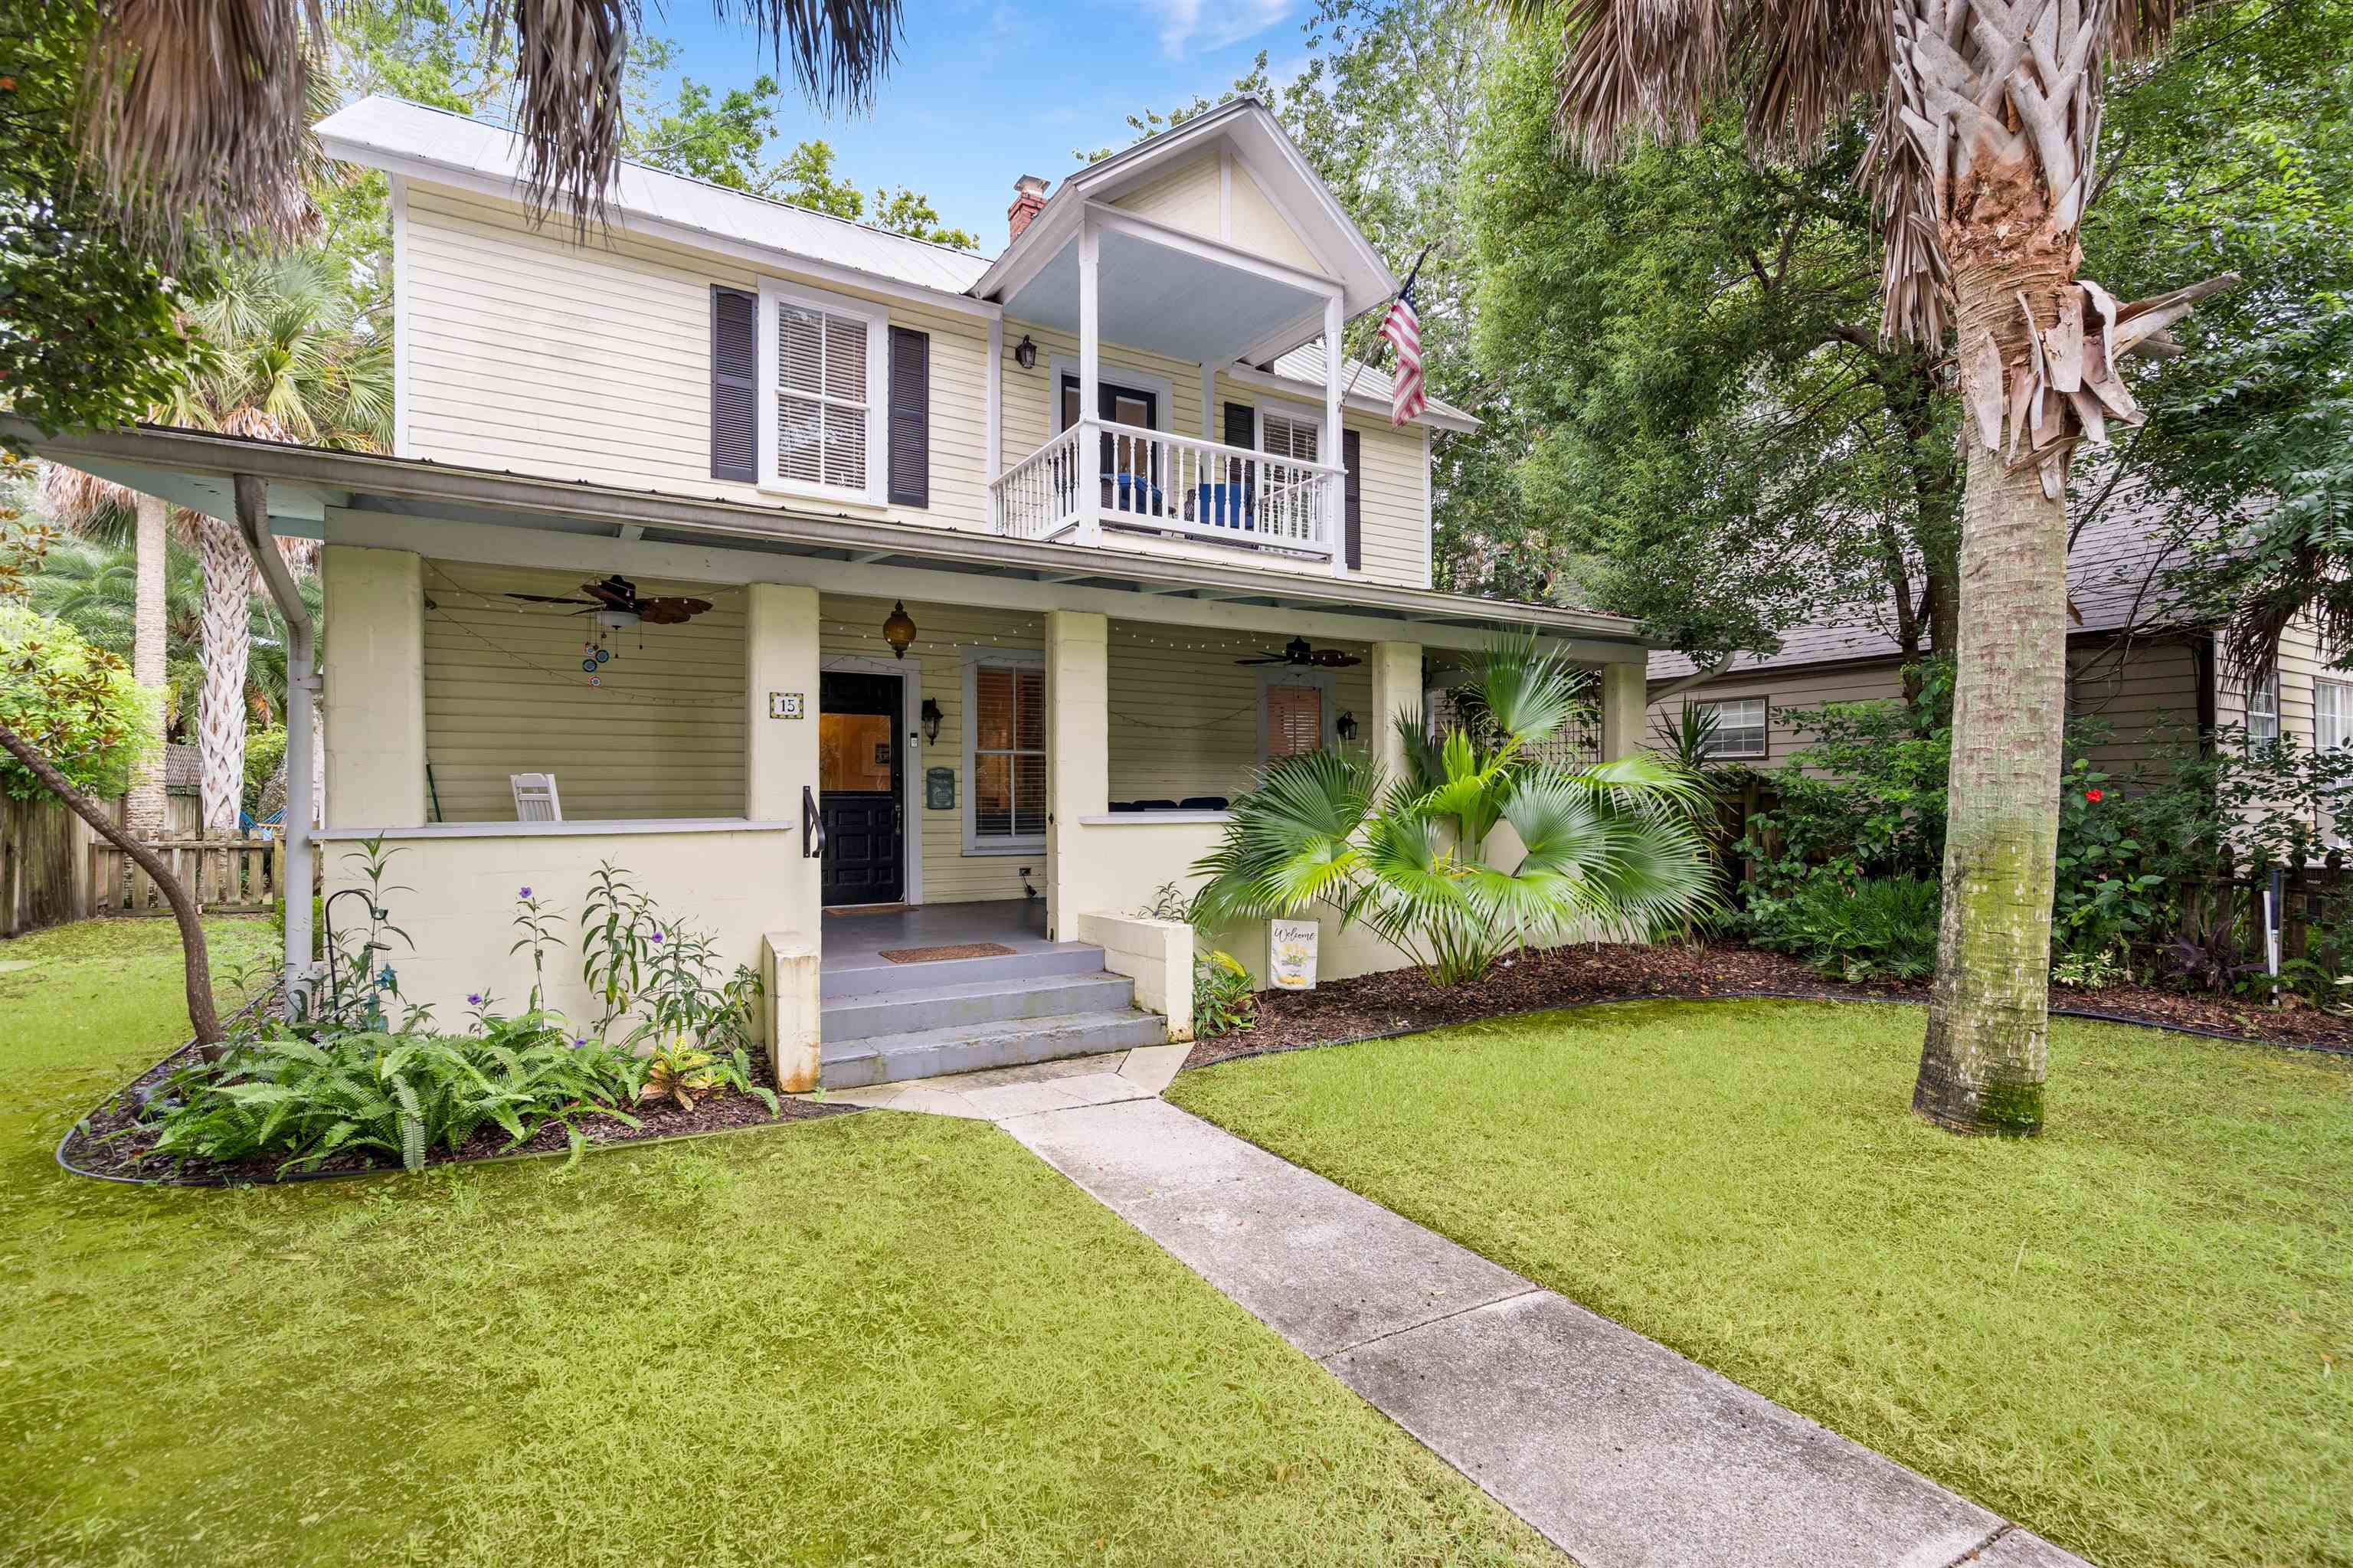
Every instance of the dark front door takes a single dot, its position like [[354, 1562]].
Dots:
[[860, 746]]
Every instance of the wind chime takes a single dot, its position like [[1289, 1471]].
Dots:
[[614, 606]]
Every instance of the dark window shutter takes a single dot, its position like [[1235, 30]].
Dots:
[[1352, 453], [734, 383], [911, 418], [1241, 425]]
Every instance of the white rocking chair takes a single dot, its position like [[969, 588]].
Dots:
[[535, 798]]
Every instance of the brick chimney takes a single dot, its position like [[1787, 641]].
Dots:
[[1028, 201]]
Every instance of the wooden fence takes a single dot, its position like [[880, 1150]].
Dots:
[[55, 868], [224, 875]]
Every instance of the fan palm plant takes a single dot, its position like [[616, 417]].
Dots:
[[198, 111], [1423, 859], [1983, 162], [294, 363]]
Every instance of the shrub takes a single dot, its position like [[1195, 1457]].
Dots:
[[399, 1095], [76, 704], [1223, 1002], [1883, 928]]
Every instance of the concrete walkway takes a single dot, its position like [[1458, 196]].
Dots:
[[1621, 1451]]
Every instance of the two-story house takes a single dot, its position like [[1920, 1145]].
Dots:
[[863, 598]]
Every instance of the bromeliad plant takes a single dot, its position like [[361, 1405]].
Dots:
[[1419, 859]]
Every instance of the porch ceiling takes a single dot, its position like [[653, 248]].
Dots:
[[1166, 301]]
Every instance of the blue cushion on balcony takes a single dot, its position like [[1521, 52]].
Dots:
[[1225, 505]]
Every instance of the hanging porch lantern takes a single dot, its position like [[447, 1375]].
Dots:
[[899, 631]]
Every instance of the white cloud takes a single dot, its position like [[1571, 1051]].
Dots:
[[1212, 23]]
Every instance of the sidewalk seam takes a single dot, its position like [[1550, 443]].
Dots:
[[1974, 1552], [1328, 1356]]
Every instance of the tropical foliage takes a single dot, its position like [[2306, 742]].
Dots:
[[78, 705], [1419, 859]]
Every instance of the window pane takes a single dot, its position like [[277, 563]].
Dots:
[[853, 752], [1070, 405], [800, 424], [845, 358], [992, 796], [1129, 410], [799, 349], [992, 691], [1029, 711], [1294, 721], [845, 446], [1028, 793]]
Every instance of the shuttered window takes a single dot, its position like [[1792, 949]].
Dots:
[[1007, 704], [1294, 721], [827, 373], [1351, 455], [734, 383]]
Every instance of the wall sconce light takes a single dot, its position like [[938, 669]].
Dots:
[[1025, 353], [1346, 726], [899, 630], [931, 721]]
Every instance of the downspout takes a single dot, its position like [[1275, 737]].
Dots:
[[303, 690], [1671, 689]]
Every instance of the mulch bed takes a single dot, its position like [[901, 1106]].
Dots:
[[90, 1151], [1402, 1001]]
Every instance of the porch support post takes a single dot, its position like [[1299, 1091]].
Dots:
[[1625, 694], [780, 654], [1397, 688], [1078, 763], [374, 703], [1210, 415], [1089, 376], [993, 433], [1336, 496]]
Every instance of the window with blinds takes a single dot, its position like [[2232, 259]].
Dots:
[[825, 365], [1286, 434], [1008, 756], [1294, 721]]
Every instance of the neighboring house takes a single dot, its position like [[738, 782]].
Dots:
[[951, 583], [2156, 681]]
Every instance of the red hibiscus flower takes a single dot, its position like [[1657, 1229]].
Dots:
[[2092, 796]]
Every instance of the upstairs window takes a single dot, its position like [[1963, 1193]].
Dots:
[[823, 363], [1739, 727], [2332, 714], [1285, 433], [2263, 710]]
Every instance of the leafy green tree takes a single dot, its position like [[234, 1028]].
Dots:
[[90, 334]]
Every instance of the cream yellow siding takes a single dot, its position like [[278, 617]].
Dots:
[[1184, 716], [1186, 198], [1259, 229], [529, 352], [662, 734]]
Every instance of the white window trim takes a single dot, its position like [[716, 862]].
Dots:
[[1273, 675], [1763, 731], [877, 318], [2277, 690], [973, 658], [2344, 717], [1060, 365], [1297, 413]]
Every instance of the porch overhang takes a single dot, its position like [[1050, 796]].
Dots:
[[411, 504]]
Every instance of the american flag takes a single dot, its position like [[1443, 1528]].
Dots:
[[1402, 327]]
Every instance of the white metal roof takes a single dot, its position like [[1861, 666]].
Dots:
[[388, 132], [1305, 364]]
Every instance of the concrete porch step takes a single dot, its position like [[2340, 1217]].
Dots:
[[965, 1048], [973, 1003], [873, 975]]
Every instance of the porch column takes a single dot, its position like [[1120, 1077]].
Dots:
[[1078, 763], [372, 666], [1335, 495], [780, 666], [1089, 376], [1625, 697], [1397, 688]]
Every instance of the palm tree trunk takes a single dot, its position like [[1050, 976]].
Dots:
[[143, 807], [227, 635], [1982, 1064]]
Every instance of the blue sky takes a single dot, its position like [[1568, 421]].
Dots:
[[988, 89]]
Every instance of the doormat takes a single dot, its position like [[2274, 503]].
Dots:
[[933, 955]]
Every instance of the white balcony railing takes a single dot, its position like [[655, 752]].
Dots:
[[1101, 474]]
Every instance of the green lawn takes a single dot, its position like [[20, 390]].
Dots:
[[2134, 1335], [872, 1339]]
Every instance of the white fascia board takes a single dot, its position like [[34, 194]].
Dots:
[[767, 256]]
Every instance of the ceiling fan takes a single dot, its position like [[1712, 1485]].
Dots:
[[616, 604], [1299, 652]]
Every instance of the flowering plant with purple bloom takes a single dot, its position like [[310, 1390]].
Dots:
[[537, 924]]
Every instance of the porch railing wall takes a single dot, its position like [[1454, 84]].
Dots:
[[1124, 476]]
